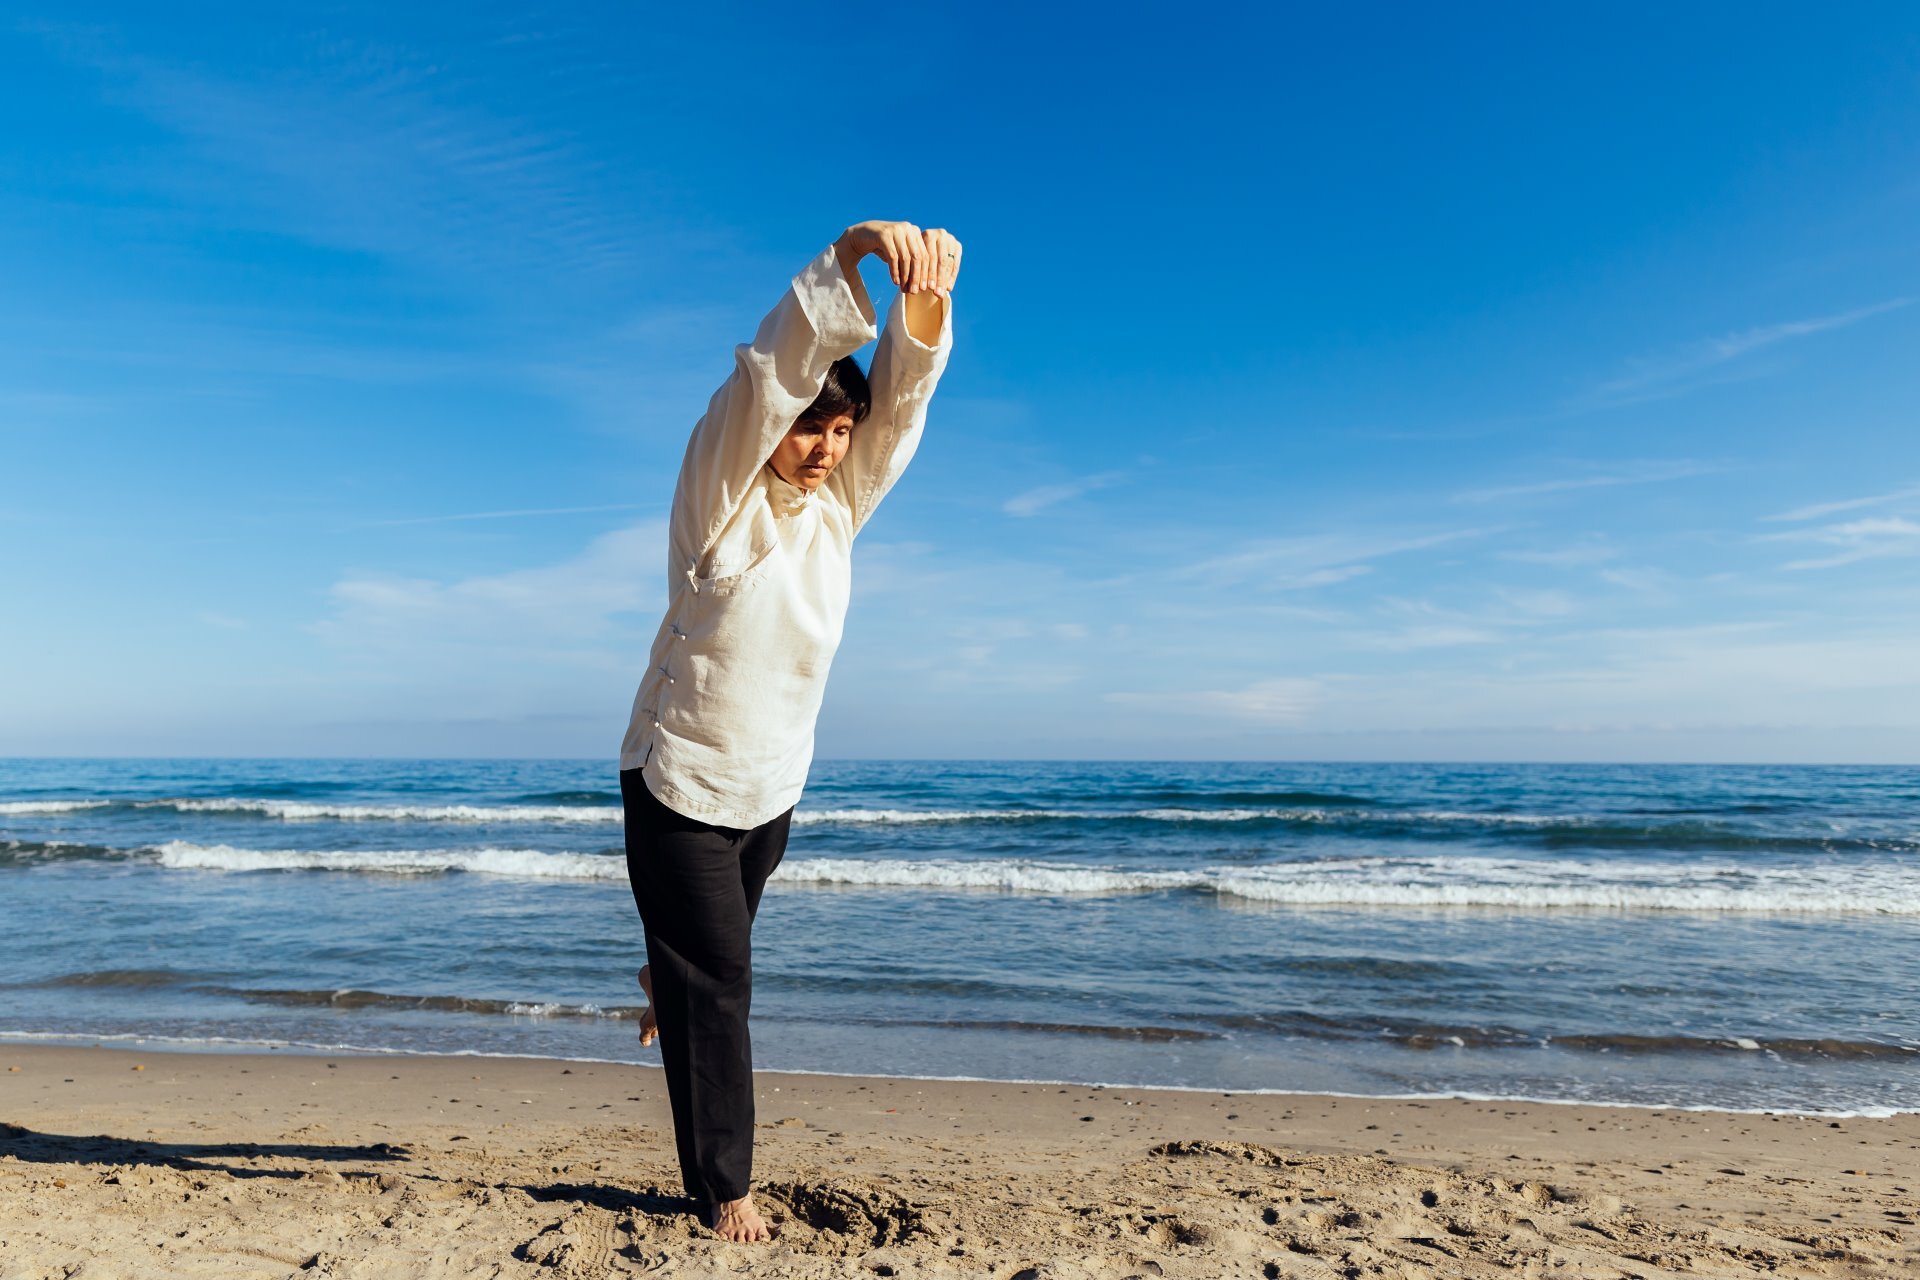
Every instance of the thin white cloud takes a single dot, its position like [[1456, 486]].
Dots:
[[1650, 581], [1564, 557], [501, 515], [1284, 700], [1422, 624], [1819, 509], [1632, 473], [1430, 636], [568, 603], [1299, 613], [1869, 539], [1320, 559], [1047, 495], [373, 148], [1723, 682], [970, 647], [1542, 604], [1659, 377], [1321, 577]]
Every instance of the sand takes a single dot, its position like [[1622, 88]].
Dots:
[[159, 1164]]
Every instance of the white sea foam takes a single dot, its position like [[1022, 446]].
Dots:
[[1235, 815], [1016, 874], [1486, 882], [525, 863], [908, 816], [555, 1009], [609, 815], [313, 810], [1384, 882], [11, 807], [1416, 882], [304, 810]]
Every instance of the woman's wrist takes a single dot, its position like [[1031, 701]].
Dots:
[[847, 251], [849, 257]]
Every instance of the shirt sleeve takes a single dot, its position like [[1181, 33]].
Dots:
[[774, 379], [904, 374]]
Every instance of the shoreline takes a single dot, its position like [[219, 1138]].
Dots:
[[168, 1161], [131, 1042]]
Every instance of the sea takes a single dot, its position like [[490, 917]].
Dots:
[[1668, 936]]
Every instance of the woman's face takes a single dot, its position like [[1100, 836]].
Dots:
[[811, 450]]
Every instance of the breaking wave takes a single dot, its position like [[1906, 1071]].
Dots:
[[1435, 881]]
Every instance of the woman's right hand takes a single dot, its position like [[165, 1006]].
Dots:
[[919, 261]]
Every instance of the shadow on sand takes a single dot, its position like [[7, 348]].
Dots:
[[30, 1146], [652, 1202]]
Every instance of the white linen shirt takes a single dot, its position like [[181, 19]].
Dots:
[[759, 571]]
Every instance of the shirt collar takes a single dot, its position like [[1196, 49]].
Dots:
[[787, 498]]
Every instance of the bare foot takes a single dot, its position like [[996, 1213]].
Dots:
[[738, 1220], [649, 1026]]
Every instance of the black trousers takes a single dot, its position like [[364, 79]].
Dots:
[[698, 889]]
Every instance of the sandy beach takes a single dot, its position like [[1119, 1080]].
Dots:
[[132, 1164]]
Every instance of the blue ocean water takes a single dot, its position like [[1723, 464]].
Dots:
[[1742, 937]]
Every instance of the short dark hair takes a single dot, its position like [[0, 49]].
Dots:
[[844, 392]]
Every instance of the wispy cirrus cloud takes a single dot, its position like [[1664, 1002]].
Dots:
[[1280, 700], [384, 153], [1413, 624], [554, 609], [1039, 499], [500, 515], [1320, 559], [1410, 624], [1650, 472], [1645, 580], [1541, 604], [1708, 362], [1854, 540], [1874, 537], [1564, 557], [380, 149], [1439, 635], [1818, 509], [1750, 681]]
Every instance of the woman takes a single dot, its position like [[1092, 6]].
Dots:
[[794, 452]]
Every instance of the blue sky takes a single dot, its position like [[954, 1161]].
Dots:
[[1490, 382]]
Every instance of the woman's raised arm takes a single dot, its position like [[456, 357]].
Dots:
[[823, 316], [907, 366]]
